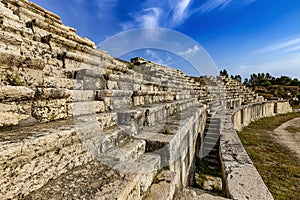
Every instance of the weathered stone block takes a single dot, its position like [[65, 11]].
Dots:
[[15, 93], [13, 113], [49, 110], [52, 93]]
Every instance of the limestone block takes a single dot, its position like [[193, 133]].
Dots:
[[11, 42], [52, 93], [7, 12], [49, 110], [39, 155], [21, 62], [53, 82], [25, 77], [15, 93], [52, 69], [163, 187], [92, 80], [120, 102], [81, 95], [112, 85], [125, 85], [127, 152], [12, 113], [83, 58], [85, 108], [107, 120]]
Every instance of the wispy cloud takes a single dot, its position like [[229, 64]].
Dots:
[[153, 56], [173, 13], [149, 17], [181, 11], [286, 46], [159, 14], [213, 4], [189, 51], [291, 49]]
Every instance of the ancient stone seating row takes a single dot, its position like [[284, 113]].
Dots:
[[42, 169], [101, 117]]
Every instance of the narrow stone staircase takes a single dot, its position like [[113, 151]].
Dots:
[[211, 142]]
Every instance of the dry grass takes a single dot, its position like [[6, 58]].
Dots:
[[293, 129], [277, 165]]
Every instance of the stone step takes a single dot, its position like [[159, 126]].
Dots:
[[96, 180], [144, 116], [115, 99], [213, 126], [209, 150], [100, 141], [7, 12], [212, 130], [81, 95], [88, 181], [77, 109], [212, 162], [14, 25], [128, 151], [213, 156], [169, 138], [28, 13], [37, 154], [103, 120], [212, 119], [210, 144], [211, 139], [163, 187], [56, 40]]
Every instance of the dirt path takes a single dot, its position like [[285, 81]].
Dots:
[[289, 139]]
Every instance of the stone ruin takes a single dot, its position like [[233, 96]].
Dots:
[[77, 123]]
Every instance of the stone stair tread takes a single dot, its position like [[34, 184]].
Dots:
[[128, 151], [212, 161], [99, 140], [210, 140], [84, 182], [38, 130], [212, 156], [136, 117], [211, 137], [210, 145]]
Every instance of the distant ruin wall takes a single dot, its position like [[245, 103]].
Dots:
[[240, 178], [242, 116]]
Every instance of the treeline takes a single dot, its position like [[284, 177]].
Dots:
[[271, 87], [263, 79], [266, 80]]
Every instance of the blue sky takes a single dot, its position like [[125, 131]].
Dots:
[[242, 36]]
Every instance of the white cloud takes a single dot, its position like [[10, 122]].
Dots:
[[294, 48], [181, 11], [153, 56], [210, 5], [159, 14], [150, 17], [126, 25], [189, 51], [281, 46]]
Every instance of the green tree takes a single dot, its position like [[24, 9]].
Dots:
[[224, 73]]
